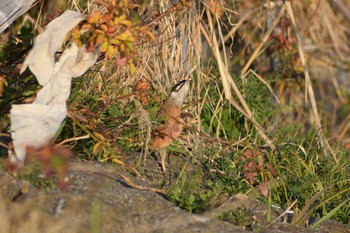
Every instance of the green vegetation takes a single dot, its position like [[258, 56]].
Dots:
[[296, 170], [35, 176], [240, 217]]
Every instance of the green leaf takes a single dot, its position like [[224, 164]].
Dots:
[[329, 214]]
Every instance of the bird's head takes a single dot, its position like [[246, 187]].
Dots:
[[178, 93]]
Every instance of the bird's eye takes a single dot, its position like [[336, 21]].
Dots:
[[178, 86]]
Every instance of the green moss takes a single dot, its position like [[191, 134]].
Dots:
[[34, 175], [240, 217]]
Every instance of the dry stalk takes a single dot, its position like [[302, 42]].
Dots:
[[264, 40], [311, 21], [281, 215], [228, 83], [323, 141], [231, 33], [265, 83], [343, 9]]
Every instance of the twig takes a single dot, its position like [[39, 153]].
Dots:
[[239, 23], [177, 6], [311, 21], [129, 182], [73, 139], [264, 40], [289, 207]]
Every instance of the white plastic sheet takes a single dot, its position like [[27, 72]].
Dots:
[[37, 123], [41, 58]]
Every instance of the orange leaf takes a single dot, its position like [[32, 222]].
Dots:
[[100, 39], [111, 30], [144, 29], [122, 47], [126, 23], [98, 31], [216, 7], [142, 86], [150, 35], [118, 161], [104, 27], [94, 17], [86, 26]]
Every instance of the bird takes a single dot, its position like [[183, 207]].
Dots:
[[165, 134]]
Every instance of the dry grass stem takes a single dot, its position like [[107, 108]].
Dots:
[[228, 82], [264, 40], [323, 141], [284, 213], [233, 30], [73, 139]]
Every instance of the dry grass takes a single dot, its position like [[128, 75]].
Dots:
[[189, 42]]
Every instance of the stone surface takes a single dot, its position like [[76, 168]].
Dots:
[[99, 200]]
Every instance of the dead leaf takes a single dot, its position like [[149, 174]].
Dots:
[[216, 7], [263, 188]]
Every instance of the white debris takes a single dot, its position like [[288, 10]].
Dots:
[[41, 58], [33, 125], [36, 124], [73, 63]]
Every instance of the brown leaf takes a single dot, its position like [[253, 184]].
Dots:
[[251, 177], [264, 189], [141, 89], [216, 7], [271, 169], [248, 153], [121, 61], [260, 161]]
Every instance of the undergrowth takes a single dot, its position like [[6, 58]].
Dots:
[[296, 170]]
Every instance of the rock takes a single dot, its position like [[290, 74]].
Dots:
[[98, 199]]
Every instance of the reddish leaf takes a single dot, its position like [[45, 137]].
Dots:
[[260, 161], [272, 170], [121, 61], [251, 177], [264, 189]]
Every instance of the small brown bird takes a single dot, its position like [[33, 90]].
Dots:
[[167, 133]]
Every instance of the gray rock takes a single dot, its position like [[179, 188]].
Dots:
[[99, 200]]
